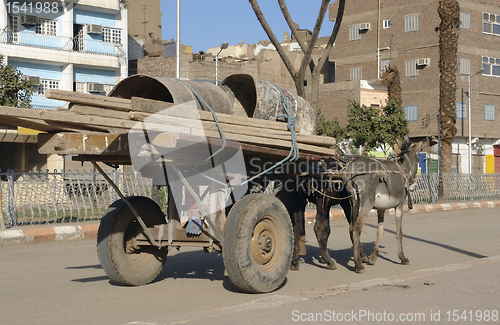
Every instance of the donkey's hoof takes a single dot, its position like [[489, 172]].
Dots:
[[294, 267], [373, 259], [331, 266], [360, 269], [363, 258], [405, 261]]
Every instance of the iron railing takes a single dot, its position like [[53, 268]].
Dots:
[[61, 43], [59, 197], [456, 187]]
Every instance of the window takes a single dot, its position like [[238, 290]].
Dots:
[[107, 88], [354, 33], [411, 112], [411, 68], [47, 84], [411, 23], [464, 20], [331, 70], [46, 27], [465, 66], [111, 35], [489, 112], [81, 87], [14, 28], [386, 23], [356, 74], [384, 64], [491, 66], [461, 110], [491, 24]]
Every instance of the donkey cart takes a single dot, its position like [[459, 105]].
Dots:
[[134, 236]]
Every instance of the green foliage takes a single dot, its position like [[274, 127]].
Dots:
[[371, 127], [330, 128], [14, 90]]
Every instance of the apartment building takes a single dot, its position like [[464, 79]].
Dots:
[[76, 45], [375, 34]]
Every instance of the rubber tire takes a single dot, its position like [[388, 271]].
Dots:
[[243, 268], [118, 223]]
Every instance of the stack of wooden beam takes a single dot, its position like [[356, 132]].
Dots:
[[94, 114]]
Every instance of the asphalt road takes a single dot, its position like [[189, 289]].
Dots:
[[63, 283]]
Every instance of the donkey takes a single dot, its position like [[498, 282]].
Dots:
[[382, 185], [325, 194]]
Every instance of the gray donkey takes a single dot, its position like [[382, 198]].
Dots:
[[379, 184]]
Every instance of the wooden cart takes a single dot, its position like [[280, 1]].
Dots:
[[135, 236]]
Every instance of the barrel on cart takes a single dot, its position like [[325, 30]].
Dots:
[[219, 165]]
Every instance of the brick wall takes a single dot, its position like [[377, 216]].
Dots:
[[421, 90]]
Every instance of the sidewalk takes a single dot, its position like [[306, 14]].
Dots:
[[88, 229]]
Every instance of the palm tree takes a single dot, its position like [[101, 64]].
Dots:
[[449, 12]]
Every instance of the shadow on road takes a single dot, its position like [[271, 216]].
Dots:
[[451, 248]]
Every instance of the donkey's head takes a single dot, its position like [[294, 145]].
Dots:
[[406, 155]]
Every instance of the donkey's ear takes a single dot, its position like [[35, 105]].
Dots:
[[418, 145], [397, 147]]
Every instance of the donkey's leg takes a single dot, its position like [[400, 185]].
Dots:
[[380, 234], [297, 208], [322, 231], [399, 234], [356, 241], [351, 211]]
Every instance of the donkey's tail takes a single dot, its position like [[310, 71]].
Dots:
[[353, 194]]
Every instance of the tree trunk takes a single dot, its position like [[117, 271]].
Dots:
[[449, 12], [307, 46]]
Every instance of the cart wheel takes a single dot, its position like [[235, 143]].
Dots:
[[123, 261], [258, 243]]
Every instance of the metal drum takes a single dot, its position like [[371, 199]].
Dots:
[[172, 90], [263, 100]]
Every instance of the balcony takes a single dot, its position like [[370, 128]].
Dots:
[[40, 102], [68, 44]]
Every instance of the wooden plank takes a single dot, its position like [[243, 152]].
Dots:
[[121, 104], [46, 126], [209, 125], [68, 117], [83, 143], [140, 103], [65, 143], [98, 111]]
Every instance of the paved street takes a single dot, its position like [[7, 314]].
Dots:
[[455, 252]]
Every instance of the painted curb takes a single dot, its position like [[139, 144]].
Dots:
[[72, 232], [417, 208], [56, 233]]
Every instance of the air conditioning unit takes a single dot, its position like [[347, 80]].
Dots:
[[35, 80], [424, 62], [29, 20], [94, 29], [364, 26], [94, 87]]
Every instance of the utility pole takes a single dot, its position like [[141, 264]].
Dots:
[[144, 22]]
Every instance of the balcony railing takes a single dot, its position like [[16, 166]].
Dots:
[[70, 44], [40, 102]]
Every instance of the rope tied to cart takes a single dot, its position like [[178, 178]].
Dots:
[[291, 121]]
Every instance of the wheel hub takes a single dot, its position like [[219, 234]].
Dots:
[[263, 242]]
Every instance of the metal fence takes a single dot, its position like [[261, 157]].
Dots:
[[456, 187], [56, 197]]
